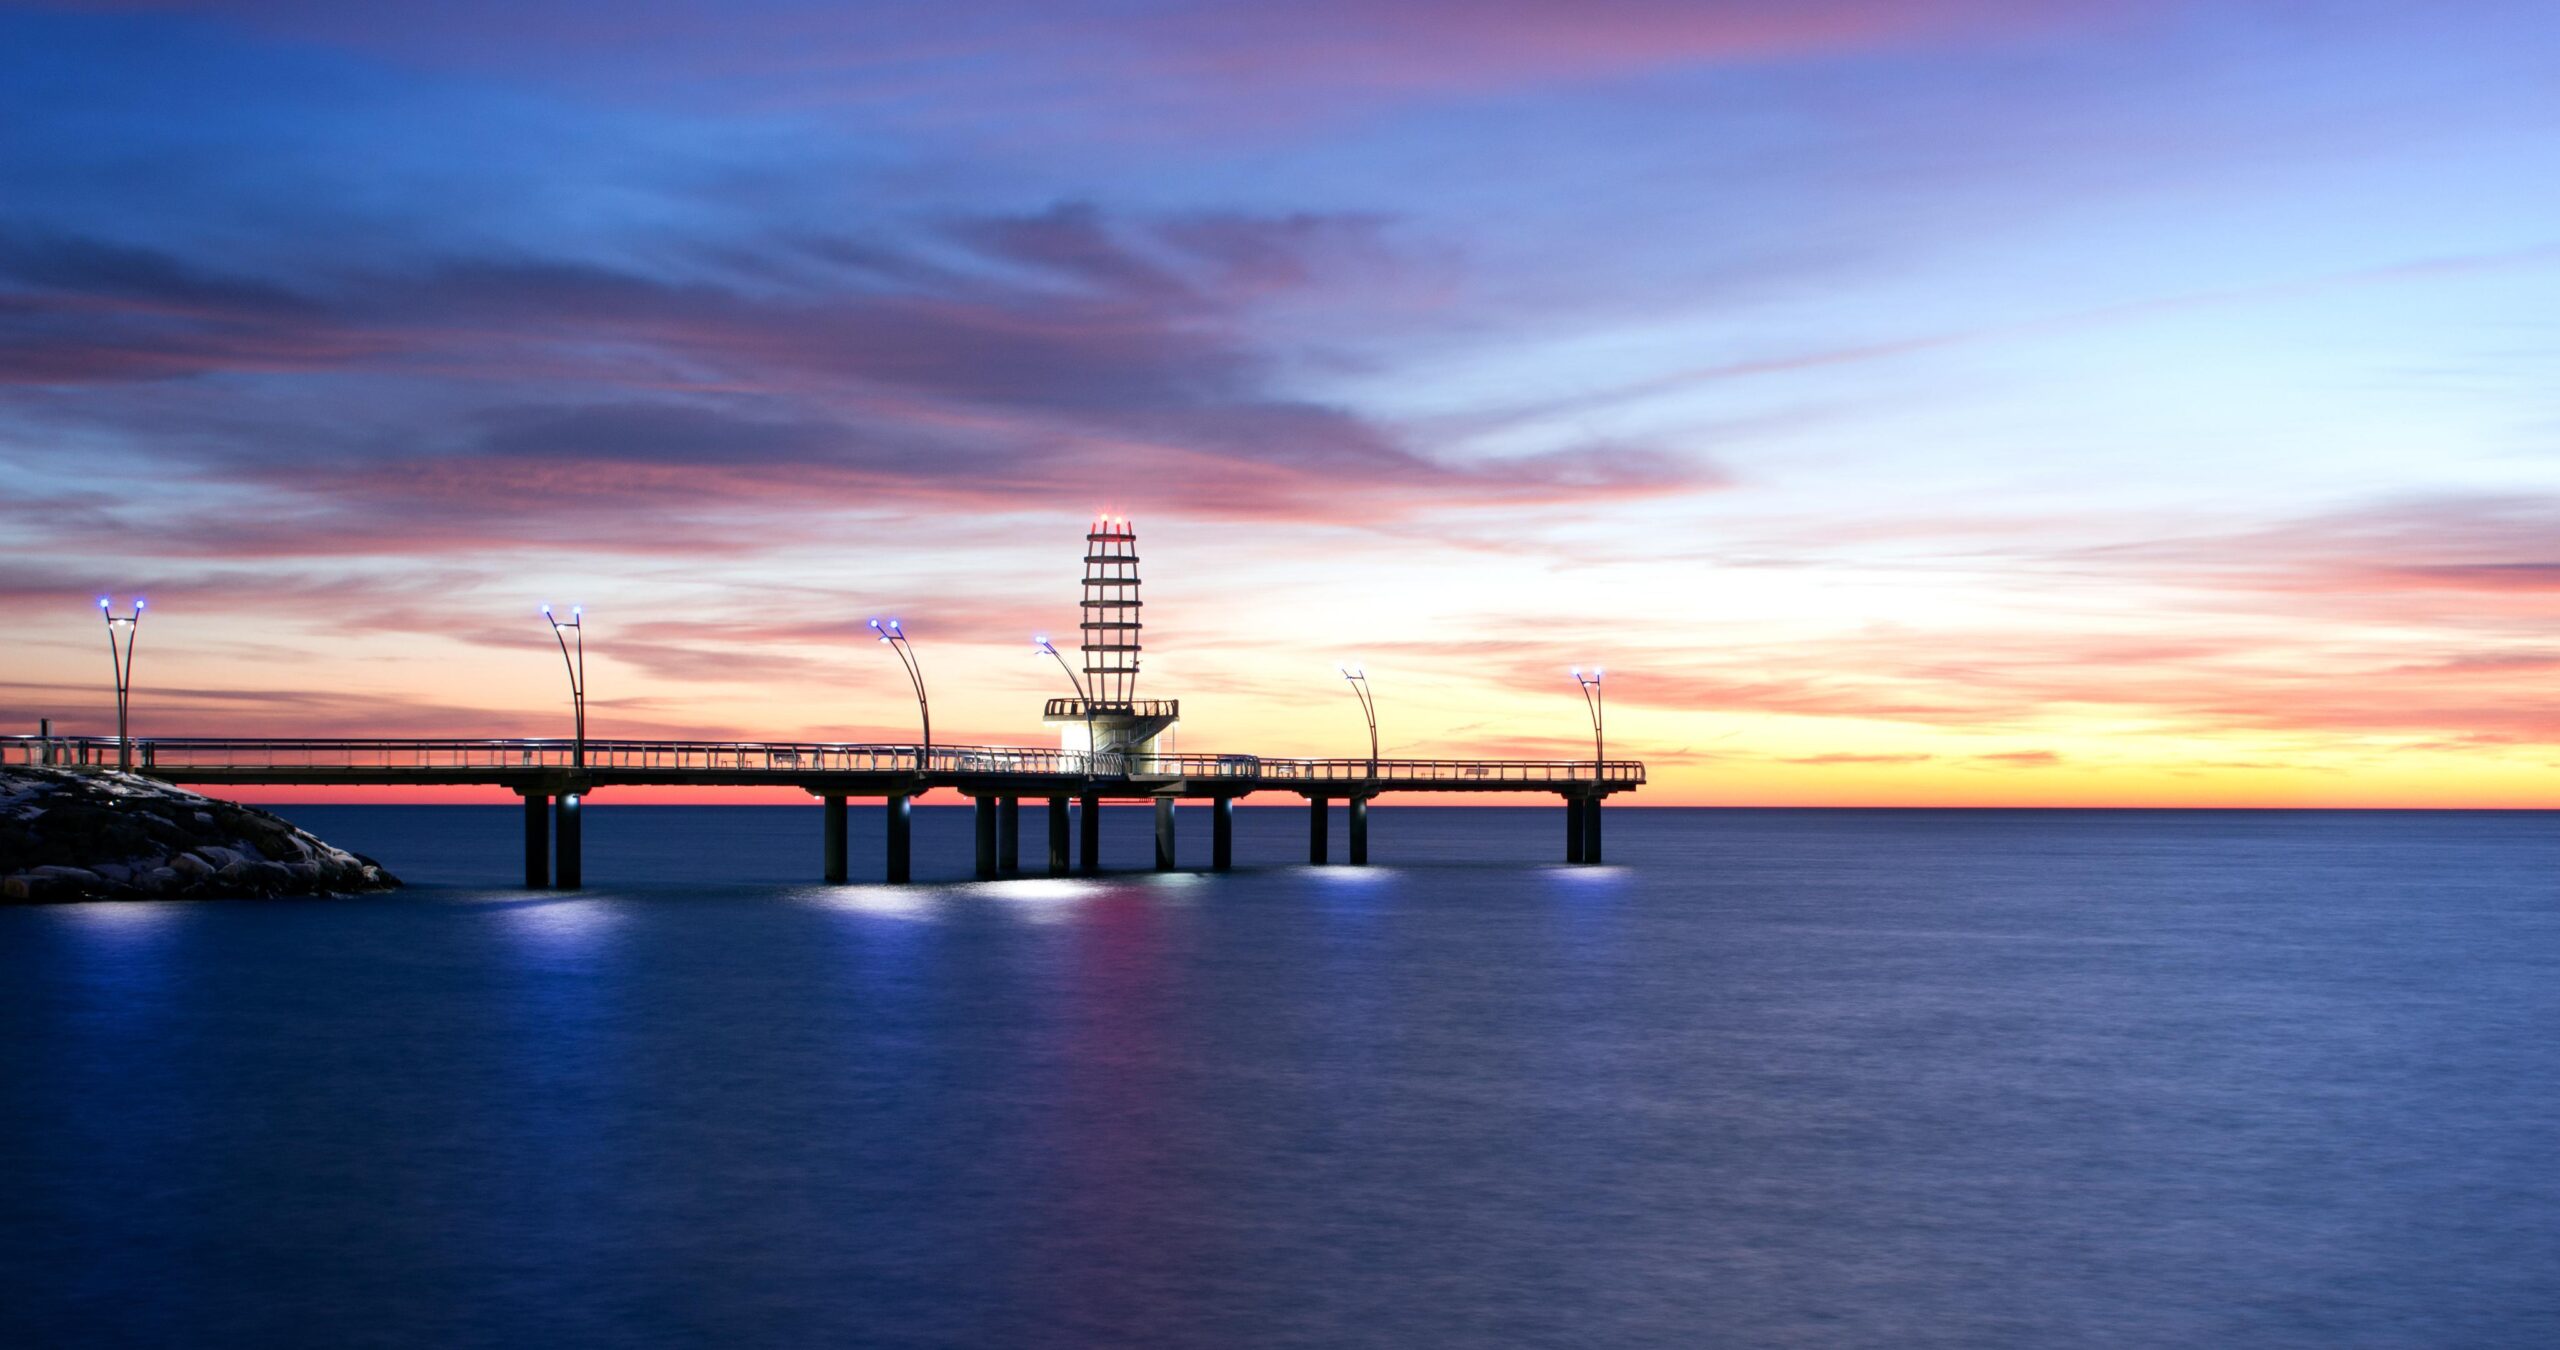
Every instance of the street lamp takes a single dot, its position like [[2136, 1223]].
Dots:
[[1591, 699], [896, 638], [577, 666], [1092, 752], [1359, 678], [130, 625]]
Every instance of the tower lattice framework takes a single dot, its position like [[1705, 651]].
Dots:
[[1110, 611]]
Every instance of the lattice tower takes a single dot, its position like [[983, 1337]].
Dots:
[[1110, 612]]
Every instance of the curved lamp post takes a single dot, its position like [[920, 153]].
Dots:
[[1591, 699], [1359, 678], [896, 639], [1092, 752], [130, 626], [576, 662]]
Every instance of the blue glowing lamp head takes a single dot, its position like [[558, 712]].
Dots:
[[576, 610], [875, 625], [546, 611], [138, 603], [106, 602]]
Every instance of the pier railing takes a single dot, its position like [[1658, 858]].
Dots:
[[787, 760], [1352, 772], [781, 758]]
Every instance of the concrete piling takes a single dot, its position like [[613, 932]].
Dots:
[[537, 841], [833, 808], [567, 871], [986, 823], [901, 829]]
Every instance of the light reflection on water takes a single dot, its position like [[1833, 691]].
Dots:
[[561, 925], [921, 904]]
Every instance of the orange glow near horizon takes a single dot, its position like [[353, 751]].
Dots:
[[1945, 707]]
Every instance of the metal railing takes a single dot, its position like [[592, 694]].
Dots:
[[790, 759], [1193, 766], [777, 757], [1458, 771]]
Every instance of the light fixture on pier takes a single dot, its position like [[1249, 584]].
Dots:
[[893, 635], [1042, 644], [1359, 678], [128, 626], [1592, 701], [575, 660]]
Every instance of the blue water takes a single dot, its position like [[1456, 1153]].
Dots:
[[1803, 1078]]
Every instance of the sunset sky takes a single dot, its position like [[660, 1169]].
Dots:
[[1908, 401]]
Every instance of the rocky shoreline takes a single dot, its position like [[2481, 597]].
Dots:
[[79, 834]]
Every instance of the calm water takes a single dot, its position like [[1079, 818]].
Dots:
[[1807, 1078]]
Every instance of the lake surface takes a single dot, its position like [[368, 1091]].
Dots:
[[1772, 1077]]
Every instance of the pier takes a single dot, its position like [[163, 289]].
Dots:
[[555, 778], [1113, 747]]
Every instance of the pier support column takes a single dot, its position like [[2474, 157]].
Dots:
[[1164, 834], [1315, 830], [986, 837], [1222, 834], [833, 808], [900, 830], [1089, 835], [1573, 829], [1008, 835], [1591, 830], [1359, 831], [1057, 836], [566, 872], [537, 841]]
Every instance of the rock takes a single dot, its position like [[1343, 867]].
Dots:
[[85, 834]]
